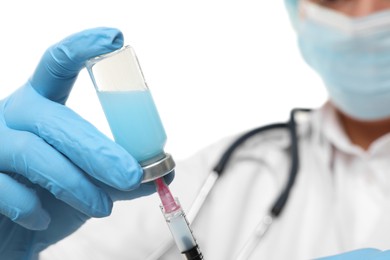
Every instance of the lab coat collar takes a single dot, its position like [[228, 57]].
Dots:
[[329, 129]]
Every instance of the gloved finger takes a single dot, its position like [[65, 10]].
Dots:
[[61, 63], [28, 155], [21, 204], [385, 255], [74, 137], [360, 254]]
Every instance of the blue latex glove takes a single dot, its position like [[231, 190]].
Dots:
[[361, 254], [56, 169]]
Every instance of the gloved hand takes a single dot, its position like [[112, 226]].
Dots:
[[361, 254], [56, 169]]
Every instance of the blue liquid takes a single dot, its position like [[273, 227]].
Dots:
[[134, 122]]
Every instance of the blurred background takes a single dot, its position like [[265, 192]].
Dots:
[[214, 67]]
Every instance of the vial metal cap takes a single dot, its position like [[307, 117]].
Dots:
[[158, 168]]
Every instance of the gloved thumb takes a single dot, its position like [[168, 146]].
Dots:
[[61, 63]]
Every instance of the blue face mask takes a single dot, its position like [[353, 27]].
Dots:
[[352, 55], [292, 10]]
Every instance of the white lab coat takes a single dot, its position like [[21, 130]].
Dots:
[[340, 201]]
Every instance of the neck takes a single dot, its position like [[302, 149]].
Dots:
[[363, 133]]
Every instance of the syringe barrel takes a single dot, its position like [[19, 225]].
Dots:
[[193, 254], [182, 233]]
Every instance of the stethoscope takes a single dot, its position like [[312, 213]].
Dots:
[[276, 208]]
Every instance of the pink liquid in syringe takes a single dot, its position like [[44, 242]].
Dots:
[[168, 201]]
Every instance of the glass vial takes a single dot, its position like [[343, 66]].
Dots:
[[130, 110]]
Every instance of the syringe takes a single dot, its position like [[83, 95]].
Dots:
[[177, 222]]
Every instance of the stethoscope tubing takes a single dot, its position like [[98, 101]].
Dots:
[[265, 223]]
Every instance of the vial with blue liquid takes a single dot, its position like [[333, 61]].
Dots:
[[130, 110]]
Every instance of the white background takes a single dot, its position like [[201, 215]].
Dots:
[[214, 67]]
